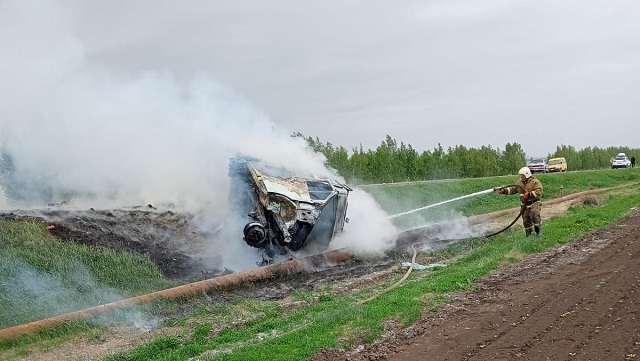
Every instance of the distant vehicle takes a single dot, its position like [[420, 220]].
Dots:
[[621, 161], [538, 165], [284, 210], [557, 164]]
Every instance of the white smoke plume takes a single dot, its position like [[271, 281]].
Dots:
[[79, 128], [369, 230], [75, 130]]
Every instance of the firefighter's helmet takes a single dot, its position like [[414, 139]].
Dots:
[[525, 171]]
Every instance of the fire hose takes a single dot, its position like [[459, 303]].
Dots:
[[415, 250], [522, 208]]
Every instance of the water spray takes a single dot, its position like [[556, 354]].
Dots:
[[445, 202]]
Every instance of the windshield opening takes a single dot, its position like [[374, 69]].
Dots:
[[319, 190]]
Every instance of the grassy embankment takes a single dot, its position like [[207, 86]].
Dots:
[[41, 277], [252, 329]]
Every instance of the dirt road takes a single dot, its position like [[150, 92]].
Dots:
[[576, 302]]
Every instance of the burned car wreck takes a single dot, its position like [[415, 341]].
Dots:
[[284, 211]]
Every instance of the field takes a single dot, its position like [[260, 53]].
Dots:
[[321, 315]]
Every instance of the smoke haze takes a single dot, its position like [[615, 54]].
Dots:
[[29, 295], [78, 131], [79, 128]]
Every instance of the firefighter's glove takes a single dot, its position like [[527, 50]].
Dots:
[[501, 191], [526, 195]]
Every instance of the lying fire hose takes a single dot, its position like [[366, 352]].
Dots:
[[415, 251]]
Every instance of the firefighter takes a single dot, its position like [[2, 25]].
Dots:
[[530, 190]]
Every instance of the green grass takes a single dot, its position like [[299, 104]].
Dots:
[[255, 330]]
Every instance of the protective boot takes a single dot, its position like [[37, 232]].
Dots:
[[527, 232], [537, 229]]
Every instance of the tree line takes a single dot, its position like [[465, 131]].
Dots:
[[392, 162]]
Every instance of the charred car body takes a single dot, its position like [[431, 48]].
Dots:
[[284, 210]]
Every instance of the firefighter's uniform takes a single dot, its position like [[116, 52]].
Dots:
[[532, 205]]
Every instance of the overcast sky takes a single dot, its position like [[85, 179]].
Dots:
[[455, 72]]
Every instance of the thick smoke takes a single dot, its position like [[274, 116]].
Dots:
[[75, 131], [370, 232]]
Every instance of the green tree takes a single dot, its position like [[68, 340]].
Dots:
[[512, 159], [392, 163], [483, 162]]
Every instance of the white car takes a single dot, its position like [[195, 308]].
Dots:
[[621, 161], [538, 165]]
